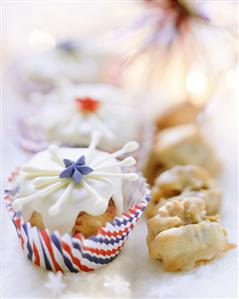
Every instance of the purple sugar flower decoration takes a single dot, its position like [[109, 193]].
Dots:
[[75, 170]]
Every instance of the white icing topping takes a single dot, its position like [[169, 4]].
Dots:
[[59, 200], [63, 119]]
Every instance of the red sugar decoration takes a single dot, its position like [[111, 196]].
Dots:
[[87, 104]]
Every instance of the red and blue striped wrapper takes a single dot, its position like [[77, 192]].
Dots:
[[66, 253]]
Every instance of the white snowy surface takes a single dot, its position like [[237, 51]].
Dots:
[[133, 274]]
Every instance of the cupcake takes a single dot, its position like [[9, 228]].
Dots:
[[69, 115], [75, 61], [74, 190], [78, 197]]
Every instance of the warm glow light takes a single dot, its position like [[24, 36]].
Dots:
[[196, 83], [41, 40]]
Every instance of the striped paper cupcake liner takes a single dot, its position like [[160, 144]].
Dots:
[[66, 253]]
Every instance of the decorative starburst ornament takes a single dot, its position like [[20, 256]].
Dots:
[[173, 38]]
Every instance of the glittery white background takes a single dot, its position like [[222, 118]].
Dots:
[[133, 274]]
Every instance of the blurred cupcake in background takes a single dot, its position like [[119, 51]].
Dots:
[[69, 115], [77, 61]]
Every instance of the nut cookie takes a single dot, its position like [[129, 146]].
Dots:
[[182, 236], [180, 114], [180, 145], [181, 182]]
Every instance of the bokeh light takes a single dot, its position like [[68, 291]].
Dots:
[[41, 40], [196, 83]]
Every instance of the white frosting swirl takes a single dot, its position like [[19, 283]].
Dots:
[[64, 120], [59, 200]]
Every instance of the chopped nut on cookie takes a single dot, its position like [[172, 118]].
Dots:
[[181, 182]]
